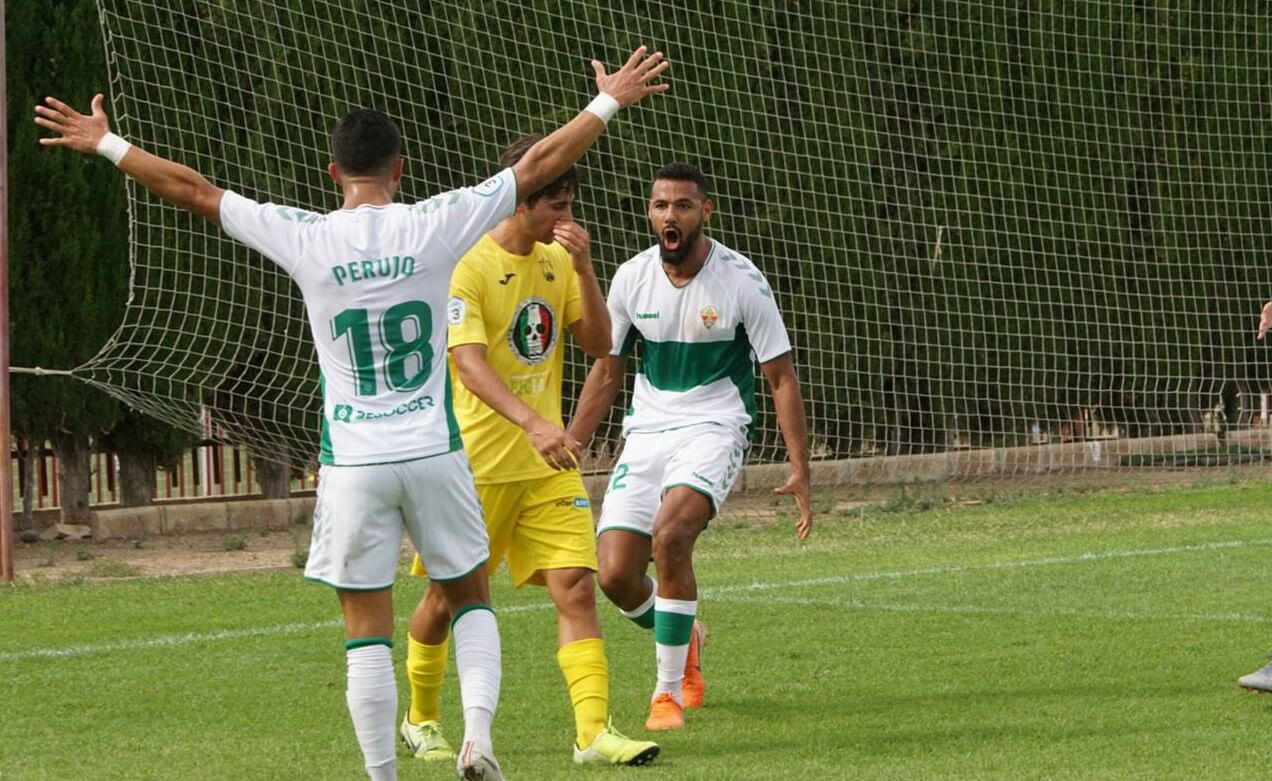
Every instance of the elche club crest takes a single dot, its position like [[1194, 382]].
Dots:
[[709, 317], [532, 334]]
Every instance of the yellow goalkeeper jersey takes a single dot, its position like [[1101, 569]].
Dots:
[[518, 306]]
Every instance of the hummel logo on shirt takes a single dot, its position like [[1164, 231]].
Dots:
[[646, 315], [507, 277]]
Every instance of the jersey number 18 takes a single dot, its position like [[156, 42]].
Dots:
[[398, 349]]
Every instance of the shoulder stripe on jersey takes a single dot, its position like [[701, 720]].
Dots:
[[325, 453]]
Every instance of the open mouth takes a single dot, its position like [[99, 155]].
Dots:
[[671, 239]]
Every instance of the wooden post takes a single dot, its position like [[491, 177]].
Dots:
[[6, 434]]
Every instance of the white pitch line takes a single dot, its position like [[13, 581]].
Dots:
[[1082, 558], [885, 607], [191, 638], [165, 641]]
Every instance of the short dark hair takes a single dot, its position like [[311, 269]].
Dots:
[[567, 182], [683, 172], [365, 142]]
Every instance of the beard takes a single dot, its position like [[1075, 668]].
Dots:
[[675, 247]]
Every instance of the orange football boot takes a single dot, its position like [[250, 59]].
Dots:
[[665, 713], [693, 689]]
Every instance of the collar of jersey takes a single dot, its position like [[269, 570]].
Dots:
[[522, 258], [534, 251], [710, 255], [367, 206]]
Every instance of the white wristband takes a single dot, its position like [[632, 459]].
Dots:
[[113, 148], [604, 106]]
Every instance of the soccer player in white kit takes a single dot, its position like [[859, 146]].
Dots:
[[1261, 679], [703, 315], [374, 277]]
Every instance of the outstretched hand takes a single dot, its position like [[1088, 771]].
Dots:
[[75, 130], [797, 485], [633, 82], [1265, 321]]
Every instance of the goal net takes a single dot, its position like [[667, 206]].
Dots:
[[1002, 238]]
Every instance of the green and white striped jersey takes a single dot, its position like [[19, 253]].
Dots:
[[375, 280], [698, 343]]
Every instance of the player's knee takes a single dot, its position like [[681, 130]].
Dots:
[[618, 585], [673, 540], [578, 596], [431, 619], [434, 604]]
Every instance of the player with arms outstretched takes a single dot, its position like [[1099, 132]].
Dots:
[[702, 315], [373, 277], [513, 297]]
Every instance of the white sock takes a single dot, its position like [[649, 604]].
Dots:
[[674, 625], [372, 698], [477, 660]]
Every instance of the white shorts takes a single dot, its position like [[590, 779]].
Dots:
[[706, 458], [362, 511]]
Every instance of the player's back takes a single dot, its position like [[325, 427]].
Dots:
[[375, 282], [375, 290]]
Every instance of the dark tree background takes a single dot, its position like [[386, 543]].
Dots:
[[977, 217], [68, 223]]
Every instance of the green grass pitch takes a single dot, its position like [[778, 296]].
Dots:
[[1058, 637]]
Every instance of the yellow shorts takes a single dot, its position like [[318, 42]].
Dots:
[[539, 524]]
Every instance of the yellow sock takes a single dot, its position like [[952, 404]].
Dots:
[[425, 668], [587, 677]]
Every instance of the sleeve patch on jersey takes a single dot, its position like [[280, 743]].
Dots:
[[489, 187], [455, 310]]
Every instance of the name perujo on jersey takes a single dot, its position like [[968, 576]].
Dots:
[[389, 268]]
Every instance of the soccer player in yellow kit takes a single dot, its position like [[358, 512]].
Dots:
[[511, 298]]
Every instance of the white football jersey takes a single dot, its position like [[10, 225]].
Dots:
[[375, 281], [699, 342]]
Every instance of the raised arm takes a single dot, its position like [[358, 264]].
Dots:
[[90, 134], [599, 391], [549, 158], [1265, 319], [789, 403]]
